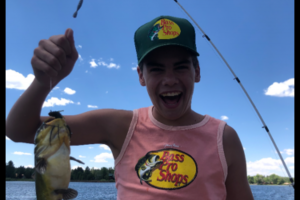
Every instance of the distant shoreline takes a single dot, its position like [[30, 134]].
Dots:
[[112, 181]]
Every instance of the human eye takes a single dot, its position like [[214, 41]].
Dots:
[[155, 69], [182, 67]]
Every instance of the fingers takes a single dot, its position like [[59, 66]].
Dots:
[[40, 65], [50, 54], [62, 42]]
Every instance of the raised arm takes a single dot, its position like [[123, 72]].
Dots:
[[53, 59]]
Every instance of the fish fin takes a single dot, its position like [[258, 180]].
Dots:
[[41, 166], [75, 14], [67, 193], [71, 158]]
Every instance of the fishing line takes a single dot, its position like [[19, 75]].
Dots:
[[238, 80]]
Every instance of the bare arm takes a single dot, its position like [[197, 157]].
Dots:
[[237, 185], [53, 59], [24, 117]]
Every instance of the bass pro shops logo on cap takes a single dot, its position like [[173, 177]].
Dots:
[[164, 29]]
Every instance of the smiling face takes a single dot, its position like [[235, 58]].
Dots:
[[169, 75]]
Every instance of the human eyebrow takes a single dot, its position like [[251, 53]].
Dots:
[[185, 61], [154, 64]]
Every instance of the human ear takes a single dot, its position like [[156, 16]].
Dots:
[[141, 77]]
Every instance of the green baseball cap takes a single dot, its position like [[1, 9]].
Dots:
[[162, 31]]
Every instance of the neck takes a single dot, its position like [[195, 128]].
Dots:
[[189, 118]]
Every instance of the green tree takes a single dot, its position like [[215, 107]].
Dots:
[[274, 179], [87, 174], [280, 181], [77, 174], [105, 173], [250, 179], [98, 174], [20, 171], [258, 179], [28, 172], [10, 170]]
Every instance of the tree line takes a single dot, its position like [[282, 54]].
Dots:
[[103, 174], [106, 174], [265, 180]]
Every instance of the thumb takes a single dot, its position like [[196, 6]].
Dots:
[[69, 34]]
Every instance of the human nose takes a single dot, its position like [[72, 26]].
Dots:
[[170, 79]]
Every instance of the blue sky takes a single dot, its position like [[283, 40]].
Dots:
[[255, 37]]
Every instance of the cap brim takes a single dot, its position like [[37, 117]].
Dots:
[[169, 44]]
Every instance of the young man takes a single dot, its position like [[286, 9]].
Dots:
[[166, 151]]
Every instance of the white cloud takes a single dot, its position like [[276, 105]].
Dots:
[[111, 59], [56, 88], [292, 167], [7, 138], [102, 157], [106, 92], [282, 89], [55, 101], [133, 68], [93, 64], [91, 106], [22, 153], [28, 166], [81, 156], [91, 161], [267, 166], [86, 71], [78, 103], [244, 148], [289, 160], [69, 91], [79, 46], [110, 65], [91, 147], [224, 117], [80, 58], [289, 151], [104, 147], [16, 80]]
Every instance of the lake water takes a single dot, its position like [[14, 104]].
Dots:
[[16, 190]]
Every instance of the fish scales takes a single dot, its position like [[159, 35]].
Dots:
[[52, 160]]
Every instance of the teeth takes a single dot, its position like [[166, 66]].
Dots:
[[170, 94]]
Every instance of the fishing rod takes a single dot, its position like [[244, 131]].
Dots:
[[238, 80]]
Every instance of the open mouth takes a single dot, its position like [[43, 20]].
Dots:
[[171, 98]]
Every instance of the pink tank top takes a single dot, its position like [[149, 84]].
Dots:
[[161, 162]]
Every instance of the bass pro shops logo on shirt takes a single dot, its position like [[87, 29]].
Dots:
[[167, 169], [164, 29]]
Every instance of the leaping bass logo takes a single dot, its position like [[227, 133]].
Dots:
[[164, 29], [166, 169]]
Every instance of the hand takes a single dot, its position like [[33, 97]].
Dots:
[[54, 58]]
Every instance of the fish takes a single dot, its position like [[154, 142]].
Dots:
[[52, 159], [146, 165], [78, 7], [153, 33]]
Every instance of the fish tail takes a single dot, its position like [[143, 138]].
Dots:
[[75, 14]]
